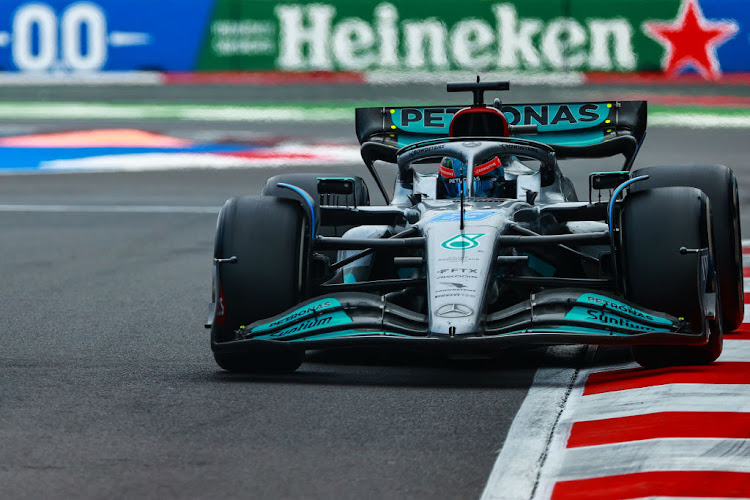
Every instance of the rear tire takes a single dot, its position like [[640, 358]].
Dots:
[[654, 224], [720, 185], [266, 236]]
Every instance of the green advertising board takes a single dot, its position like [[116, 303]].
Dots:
[[439, 35], [407, 37]]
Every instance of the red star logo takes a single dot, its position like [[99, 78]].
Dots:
[[691, 40]]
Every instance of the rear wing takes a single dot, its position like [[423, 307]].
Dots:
[[574, 130]]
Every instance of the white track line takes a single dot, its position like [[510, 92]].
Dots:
[[516, 469], [99, 78], [557, 445], [103, 209], [697, 120]]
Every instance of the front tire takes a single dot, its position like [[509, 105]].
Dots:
[[260, 362], [720, 185], [654, 225], [265, 234]]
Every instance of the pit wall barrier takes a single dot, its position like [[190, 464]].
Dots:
[[694, 39]]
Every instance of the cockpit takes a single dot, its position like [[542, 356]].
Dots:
[[492, 168]]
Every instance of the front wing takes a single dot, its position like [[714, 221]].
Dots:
[[551, 317]]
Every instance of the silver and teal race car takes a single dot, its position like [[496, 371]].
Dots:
[[483, 243]]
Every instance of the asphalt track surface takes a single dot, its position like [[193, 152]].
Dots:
[[108, 388]]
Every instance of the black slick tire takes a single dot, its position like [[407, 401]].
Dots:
[[265, 234], [720, 185], [654, 225]]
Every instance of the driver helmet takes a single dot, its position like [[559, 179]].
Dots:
[[488, 178]]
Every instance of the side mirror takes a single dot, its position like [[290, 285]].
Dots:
[[335, 185], [373, 151], [607, 180]]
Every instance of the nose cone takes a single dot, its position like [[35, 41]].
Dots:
[[459, 264]]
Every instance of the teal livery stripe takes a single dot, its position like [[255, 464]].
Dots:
[[621, 308], [597, 316], [305, 318]]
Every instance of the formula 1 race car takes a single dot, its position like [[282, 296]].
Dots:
[[482, 244]]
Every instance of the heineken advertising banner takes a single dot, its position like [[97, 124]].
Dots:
[[707, 37]]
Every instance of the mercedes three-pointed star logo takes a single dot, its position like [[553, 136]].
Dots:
[[454, 311]]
